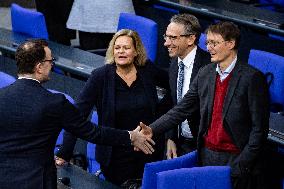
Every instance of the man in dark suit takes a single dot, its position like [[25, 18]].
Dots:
[[31, 118], [233, 101], [181, 39]]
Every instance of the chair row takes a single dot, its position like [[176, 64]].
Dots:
[[32, 23]]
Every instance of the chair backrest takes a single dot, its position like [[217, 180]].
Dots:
[[276, 2], [59, 141], [6, 79], [149, 180], [93, 165], [270, 63], [273, 5], [146, 28], [66, 95], [29, 22], [210, 177], [202, 41]]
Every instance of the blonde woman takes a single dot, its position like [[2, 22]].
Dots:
[[124, 93]]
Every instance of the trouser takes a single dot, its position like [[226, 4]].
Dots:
[[247, 181], [185, 145]]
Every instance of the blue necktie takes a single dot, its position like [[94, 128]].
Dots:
[[180, 80]]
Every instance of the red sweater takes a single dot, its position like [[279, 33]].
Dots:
[[217, 139]]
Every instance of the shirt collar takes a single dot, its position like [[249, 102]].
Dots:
[[189, 59], [228, 70], [22, 77]]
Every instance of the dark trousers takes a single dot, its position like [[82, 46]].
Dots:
[[90, 41], [185, 145], [240, 181]]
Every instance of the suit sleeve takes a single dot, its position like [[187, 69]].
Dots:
[[258, 102], [85, 104], [76, 124], [188, 105]]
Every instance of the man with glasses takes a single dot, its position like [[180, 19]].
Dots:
[[233, 100], [181, 39], [31, 118]]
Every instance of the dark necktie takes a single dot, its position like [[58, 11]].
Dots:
[[180, 80]]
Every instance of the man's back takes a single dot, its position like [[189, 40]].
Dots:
[[29, 124], [28, 113]]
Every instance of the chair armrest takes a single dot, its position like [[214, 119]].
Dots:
[[151, 169], [213, 177]]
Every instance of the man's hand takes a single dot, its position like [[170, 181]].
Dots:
[[146, 130], [171, 149], [59, 161], [141, 142]]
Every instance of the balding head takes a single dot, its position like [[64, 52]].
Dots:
[[29, 54]]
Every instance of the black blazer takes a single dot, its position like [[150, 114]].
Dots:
[[31, 118], [201, 59], [245, 112], [99, 92]]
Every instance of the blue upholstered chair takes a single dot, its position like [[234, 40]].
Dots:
[[93, 165], [146, 28], [29, 22], [6, 79], [66, 95], [277, 37], [273, 5], [59, 141], [273, 66], [202, 41], [151, 169], [181, 172], [211, 177]]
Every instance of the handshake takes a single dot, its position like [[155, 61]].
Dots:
[[141, 139]]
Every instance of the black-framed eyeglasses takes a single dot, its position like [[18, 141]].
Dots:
[[51, 61], [175, 37], [213, 43]]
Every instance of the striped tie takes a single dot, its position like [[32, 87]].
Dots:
[[180, 80]]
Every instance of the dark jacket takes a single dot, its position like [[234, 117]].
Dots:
[[201, 59], [31, 118], [99, 92], [245, 112]]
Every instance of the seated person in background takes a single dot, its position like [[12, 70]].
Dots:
[[31, 118], [123, 92]]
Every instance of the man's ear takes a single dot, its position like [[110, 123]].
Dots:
[[38, 68], [191, 39], [231, 44]]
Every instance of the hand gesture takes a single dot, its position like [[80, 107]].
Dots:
[[146, 130], [141, 141], [59, 161], [171, 149]]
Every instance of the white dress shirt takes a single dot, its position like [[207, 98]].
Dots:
[[188, 66]]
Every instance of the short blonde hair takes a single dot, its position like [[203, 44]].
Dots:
[[141, 57]]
